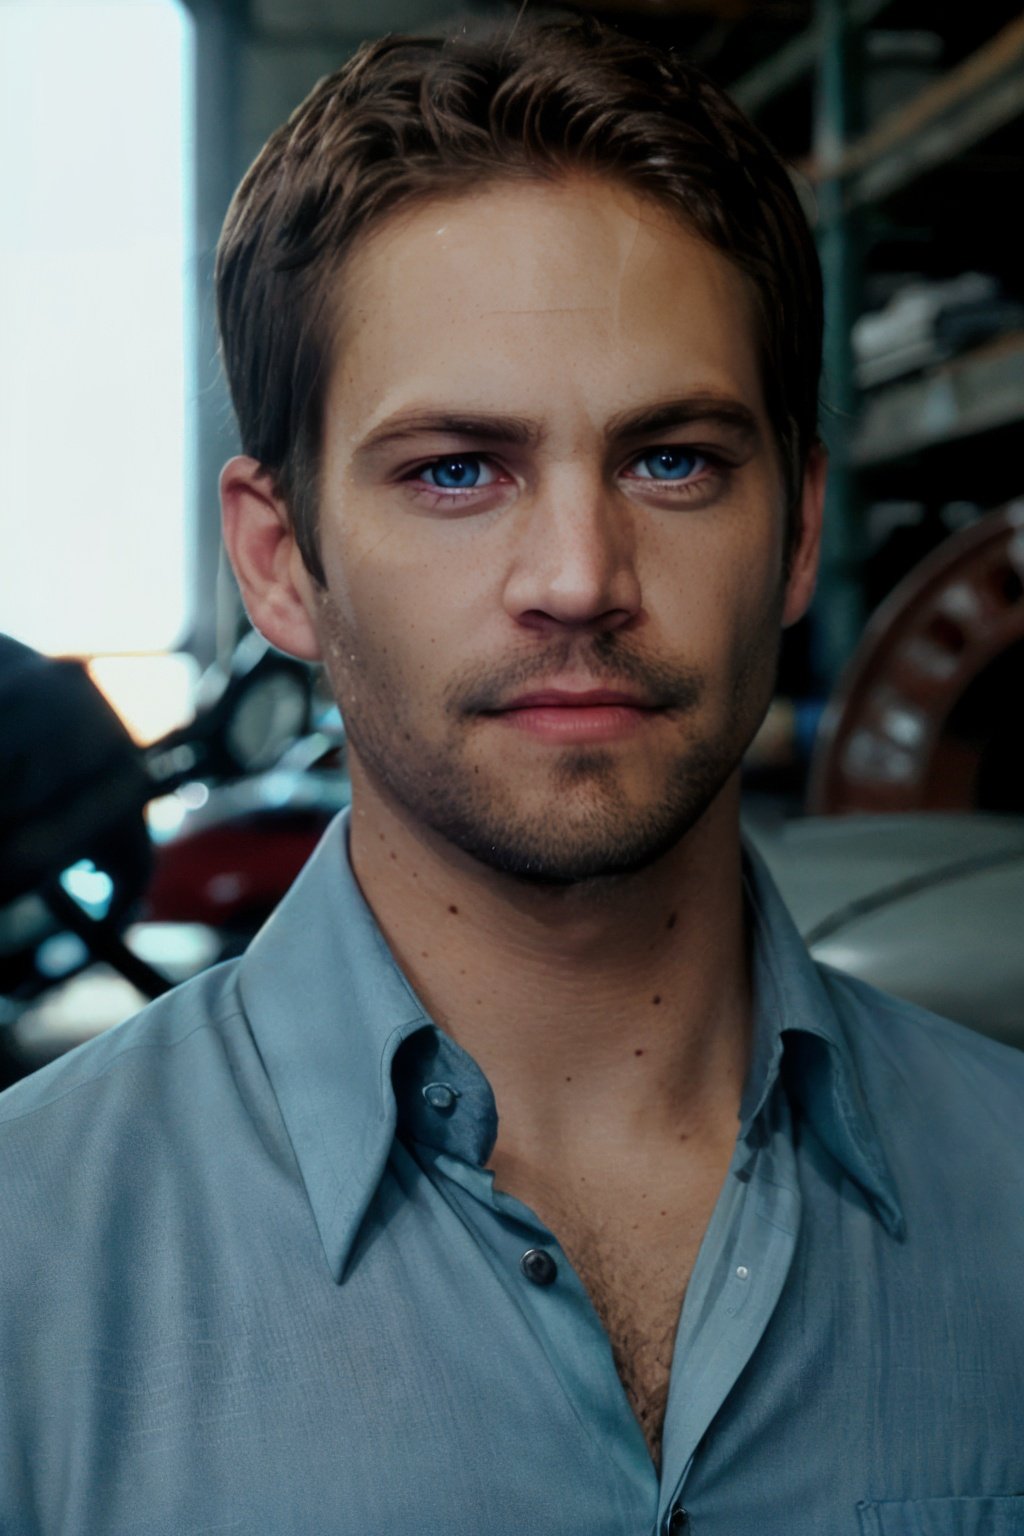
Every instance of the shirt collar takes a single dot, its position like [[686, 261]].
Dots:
[[329, 1010], [799, 1036]]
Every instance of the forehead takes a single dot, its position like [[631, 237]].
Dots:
[[573, 296]]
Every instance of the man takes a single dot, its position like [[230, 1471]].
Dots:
[[525, 1175]]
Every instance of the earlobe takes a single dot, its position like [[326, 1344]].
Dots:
[[261, 547], [803, 570]]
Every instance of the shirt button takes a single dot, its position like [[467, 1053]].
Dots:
[[538, 1265], [441, 1096], [677, 1522]]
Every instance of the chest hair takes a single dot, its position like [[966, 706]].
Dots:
[[637, 1282], [634, 1248]]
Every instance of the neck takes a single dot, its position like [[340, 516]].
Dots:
[[610, 1015]]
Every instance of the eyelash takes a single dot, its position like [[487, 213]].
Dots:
[[439, 496]]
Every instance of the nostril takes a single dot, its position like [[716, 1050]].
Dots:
[[552, 619]]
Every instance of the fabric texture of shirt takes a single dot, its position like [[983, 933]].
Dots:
[[256, 1277]]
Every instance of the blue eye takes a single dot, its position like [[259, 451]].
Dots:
[[459, 473], [667, 464]]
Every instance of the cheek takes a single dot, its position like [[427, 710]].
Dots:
[[716, 591], [376, 634], [415, 595], [339, 647], [367, 593]]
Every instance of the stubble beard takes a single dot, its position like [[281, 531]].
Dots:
[[588, 828]]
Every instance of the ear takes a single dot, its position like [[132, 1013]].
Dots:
[[803, 567], [276, 588]]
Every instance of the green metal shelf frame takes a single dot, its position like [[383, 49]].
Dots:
[[851, 173], [982, 94]]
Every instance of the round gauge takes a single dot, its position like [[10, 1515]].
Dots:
[[266, 719]]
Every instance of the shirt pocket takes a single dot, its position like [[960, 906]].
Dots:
[[993, 1516]]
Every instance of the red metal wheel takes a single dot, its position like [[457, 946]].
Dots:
[[888, 740]]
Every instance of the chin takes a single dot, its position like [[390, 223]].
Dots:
[[592, 831], [559, 863]]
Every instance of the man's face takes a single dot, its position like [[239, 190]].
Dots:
[[548, 473]]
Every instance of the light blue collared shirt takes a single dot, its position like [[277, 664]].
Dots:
[[255, 1278]]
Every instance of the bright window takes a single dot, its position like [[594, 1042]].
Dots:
[[94, 103]]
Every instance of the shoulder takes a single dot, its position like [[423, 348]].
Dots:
[[77, 1130], [927, 1079], [871, 1014], [91, 1075]]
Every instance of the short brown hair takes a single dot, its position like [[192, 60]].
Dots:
[[408, 119]]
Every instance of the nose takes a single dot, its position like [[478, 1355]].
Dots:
[[574, 562]]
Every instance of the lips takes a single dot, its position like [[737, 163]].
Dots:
[[591, 698], [576, 717]]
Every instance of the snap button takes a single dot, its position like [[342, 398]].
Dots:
[[538, 1265], [677, 1522], [441, 1096]]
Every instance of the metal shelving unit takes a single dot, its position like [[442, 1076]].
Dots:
[[945, 159], [974, 393], [981, 95]]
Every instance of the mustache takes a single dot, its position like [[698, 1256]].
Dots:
[[604, 660]]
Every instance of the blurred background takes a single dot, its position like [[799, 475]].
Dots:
[[126, 125]]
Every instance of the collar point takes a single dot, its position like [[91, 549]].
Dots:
[[893, 1220]]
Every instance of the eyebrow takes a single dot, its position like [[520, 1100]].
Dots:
[[721, 411], [489, 429]]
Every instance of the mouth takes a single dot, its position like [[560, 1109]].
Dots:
[[569, 698], [583, 717]]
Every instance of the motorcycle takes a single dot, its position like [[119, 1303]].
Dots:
[[125, 869]]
